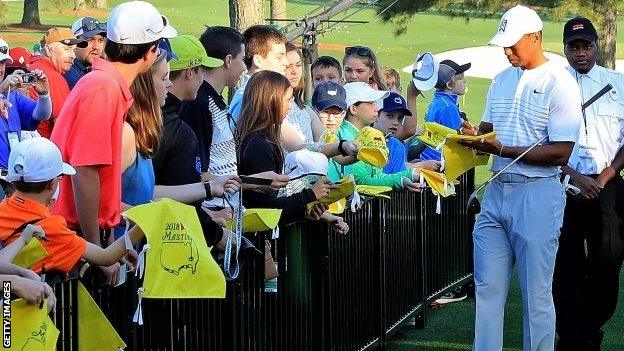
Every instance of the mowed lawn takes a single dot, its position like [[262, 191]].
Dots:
[[451, 327]]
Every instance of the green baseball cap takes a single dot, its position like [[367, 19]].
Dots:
[[191, 53]]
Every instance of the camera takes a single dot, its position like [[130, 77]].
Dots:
[[28, 78]]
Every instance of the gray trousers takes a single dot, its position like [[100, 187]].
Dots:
[[519, 226]]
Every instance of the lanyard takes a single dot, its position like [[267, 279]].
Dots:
[[579, 80]]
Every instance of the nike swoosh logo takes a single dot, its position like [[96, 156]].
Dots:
[[538, 92]]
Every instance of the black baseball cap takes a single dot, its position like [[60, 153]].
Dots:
[[579, 28], [328, 94], [395, 102], [447, 70]]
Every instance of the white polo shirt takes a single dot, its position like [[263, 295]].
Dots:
[[525, 105], [596, 148]]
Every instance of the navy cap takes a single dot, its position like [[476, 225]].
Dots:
[[447, 70], [328, 94], [395, 102], [579, 28], [88, 27]]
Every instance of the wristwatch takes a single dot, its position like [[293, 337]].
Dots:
[[342, 151], [208, 190]]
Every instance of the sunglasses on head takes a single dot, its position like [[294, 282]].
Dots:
[[4, 49], [359, 50], [93, 25]]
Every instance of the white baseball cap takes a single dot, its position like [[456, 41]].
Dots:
[[362, 92], [516, 22], [425, 71], [36, 160], [4, 52], [137, 22], [304, 162]]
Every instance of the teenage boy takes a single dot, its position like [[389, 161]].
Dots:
[[58, 47], [94, 33], [35, 170], [89, 130], [326, 69], [265, 49], [444, 107]]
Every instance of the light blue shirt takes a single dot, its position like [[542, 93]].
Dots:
[[236, 105], [443, 110]]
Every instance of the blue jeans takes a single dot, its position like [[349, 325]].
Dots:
[[519, 225]]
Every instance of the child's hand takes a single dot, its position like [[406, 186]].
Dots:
[[30, 231]]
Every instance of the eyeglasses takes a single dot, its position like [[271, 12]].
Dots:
[[359, 50], [325, 115], [4, 50]]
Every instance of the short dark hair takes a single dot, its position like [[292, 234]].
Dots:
[[325, 62], [127, 53], [259, 40], [220, 41], [173, 75], [31, 187]]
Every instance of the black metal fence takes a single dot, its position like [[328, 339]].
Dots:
[[334, 292]]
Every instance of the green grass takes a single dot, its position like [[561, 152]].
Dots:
[[451, 327]]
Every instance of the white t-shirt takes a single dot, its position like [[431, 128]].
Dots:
[[596, 149], [525, 105]]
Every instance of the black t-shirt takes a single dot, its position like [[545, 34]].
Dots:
[[258, 154], [176, 160]]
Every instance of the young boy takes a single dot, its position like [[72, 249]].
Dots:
[[265, 49], [444, 108], [329, 101], [35, 169], [326, 69], [390, 119]]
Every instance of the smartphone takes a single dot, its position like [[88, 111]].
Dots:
[[28, 78], [255, 180]]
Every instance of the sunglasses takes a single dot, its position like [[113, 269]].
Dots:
[[93, 25], [359, 50], [4, 50]]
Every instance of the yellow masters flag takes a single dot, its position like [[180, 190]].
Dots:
[[346, 187], [435, 134], [30, 254], [95, 333], [257, 220], [438, 183], [31, 327], [374, 190], [459, 159], [177, 261]]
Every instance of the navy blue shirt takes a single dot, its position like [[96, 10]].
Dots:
[[77, 71], [443, 110], [20, 118]]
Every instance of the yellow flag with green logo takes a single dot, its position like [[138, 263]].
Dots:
[[95, 333], [31, 327], [177, 261], [257, 220], [30, 254]]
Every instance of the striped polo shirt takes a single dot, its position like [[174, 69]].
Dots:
[[525, 105]]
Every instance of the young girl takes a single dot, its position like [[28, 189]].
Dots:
[[266, 103], [361, 65]]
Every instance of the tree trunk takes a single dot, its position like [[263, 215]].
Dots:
[[607, 36], [31, 12], [79, 4], [278, 10], [100, 4], [246, 13]]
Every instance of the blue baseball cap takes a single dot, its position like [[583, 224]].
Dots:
[[395, 102], [329, 94]]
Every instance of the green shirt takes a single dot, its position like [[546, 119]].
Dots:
[[363, 172]]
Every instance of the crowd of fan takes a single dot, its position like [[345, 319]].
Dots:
[[105, 116]]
